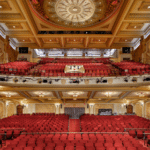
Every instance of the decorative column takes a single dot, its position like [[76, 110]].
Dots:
[[57, 108], [91, 107]]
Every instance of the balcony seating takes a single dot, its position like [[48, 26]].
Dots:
[[16, 68], [132, 68], [98, 67]]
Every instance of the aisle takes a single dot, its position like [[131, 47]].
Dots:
[[74, 125]]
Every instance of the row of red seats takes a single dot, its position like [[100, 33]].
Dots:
[[37, 123], [111, 123], [18, 68], [132, 68], [57, 141]]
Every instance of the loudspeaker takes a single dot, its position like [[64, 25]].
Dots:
[[23, 50], [125, 49], [61, 106], [87, 105]]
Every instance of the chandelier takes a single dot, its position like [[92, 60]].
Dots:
[[8, 95], [75, 94], [41, 95], [108, 94], [141, 94]]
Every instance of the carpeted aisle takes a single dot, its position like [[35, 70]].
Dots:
[[74, 125]]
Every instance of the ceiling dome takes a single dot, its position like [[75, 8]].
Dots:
[[74, 13]]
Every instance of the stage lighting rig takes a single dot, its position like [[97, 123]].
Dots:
[[24, 80], [44, 80], [50, 81], [126, 79]]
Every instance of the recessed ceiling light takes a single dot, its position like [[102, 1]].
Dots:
[[126, 40], [1, 6], [58, 20], [23, 40], [14, 26], [135, 26], [74, 40], [148, 7], [99, 40], [50, 40]]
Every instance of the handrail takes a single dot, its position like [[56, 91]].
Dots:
[[12, 129], [137, 128], [75, 133]]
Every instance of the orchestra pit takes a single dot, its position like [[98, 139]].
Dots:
[[74, 74]]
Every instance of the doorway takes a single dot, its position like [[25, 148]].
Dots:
[[74, 113]]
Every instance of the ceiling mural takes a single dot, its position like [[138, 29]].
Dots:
[[74, 13]]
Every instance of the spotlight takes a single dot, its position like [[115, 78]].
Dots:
[[39, 80], [15, 80], [44, 80], [104, 81], [75, 81], [134, 79], [2, 79], [50, 82], [24, 80], [97, 80], [125, 79], [56, 80], [146, 79]]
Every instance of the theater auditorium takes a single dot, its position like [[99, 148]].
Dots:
[[74, 74]]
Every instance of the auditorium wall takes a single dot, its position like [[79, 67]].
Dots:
[[11, 109], [148, 110], [1, 110], [138, 109], [29, 109], [44, 108]]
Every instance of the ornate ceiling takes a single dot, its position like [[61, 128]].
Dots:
[[66, 94], [110, 23], [74, 13]]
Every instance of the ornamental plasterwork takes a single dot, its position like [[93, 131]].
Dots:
[[74, 13]]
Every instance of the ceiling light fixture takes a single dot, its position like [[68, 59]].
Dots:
[[148, 7], [141, 94], [14, 26], [126, 40], [8, 95], [75, 94], [41, 95], [135, 26], [1, 6], [108, 94]]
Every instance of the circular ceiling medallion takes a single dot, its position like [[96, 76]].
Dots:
[[74, 13]]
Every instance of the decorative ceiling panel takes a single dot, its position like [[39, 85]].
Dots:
[[107, 94], [66, 94], [139, 94], [4, 6], [45, 93], [14, 25], [145, 6]]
